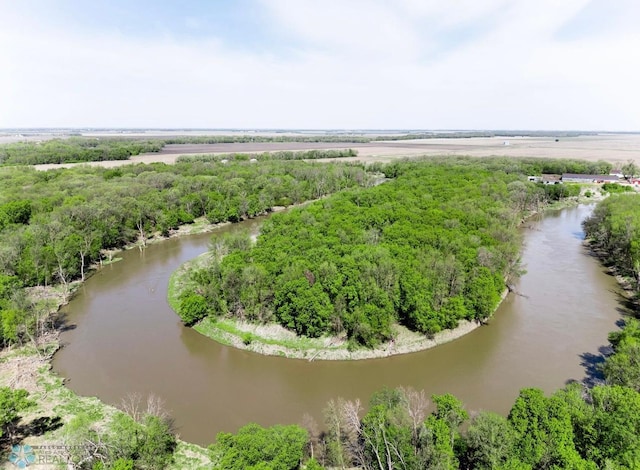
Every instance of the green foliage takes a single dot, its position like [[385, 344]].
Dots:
[[556, 192], [427, 249], [616, 188], [265, 156], [543, 431], [12, 403], [123, 464], [302, 308], [489, 441], [247, 338], [192, 308], [614, 229], [8, 286], [387, 439], [623, 367], [124, 444], [67, 219], [255, 447], [613, 431], [15, 212], [74, 149], [312, 464]]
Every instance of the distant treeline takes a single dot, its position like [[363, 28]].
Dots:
[[55, 224], [74, 149], [426, 250], [87, 149], [470, 134], [234, 139], [90, 149], [280, 155], [539, 166]]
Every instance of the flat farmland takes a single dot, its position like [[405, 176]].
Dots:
[[614, 148]]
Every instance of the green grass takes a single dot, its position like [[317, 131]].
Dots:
[[199, 225], [218, 329], [187, 456], [111, 261]]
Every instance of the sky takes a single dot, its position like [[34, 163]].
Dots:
[[330, 64]]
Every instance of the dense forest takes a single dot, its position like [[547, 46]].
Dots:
[[426, 249], [55, 224]]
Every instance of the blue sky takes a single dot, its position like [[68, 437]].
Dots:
[[474, 64]]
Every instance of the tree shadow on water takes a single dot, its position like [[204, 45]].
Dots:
[[62, 324], [627, 307], [592, 364]]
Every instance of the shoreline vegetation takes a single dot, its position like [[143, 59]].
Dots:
[[61, 420], [274, 340], [612, 235]]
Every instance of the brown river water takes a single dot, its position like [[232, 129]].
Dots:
[[128, 340]]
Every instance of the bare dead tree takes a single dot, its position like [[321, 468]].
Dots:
[[138, 409], [310, 424], [350, 418], [417, 404], [131, 404]]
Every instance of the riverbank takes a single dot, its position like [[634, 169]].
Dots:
[[51, 422], [272, 339], [49, 425], [627, 284]]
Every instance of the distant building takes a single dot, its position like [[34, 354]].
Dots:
[[551, 179], [579, 178]]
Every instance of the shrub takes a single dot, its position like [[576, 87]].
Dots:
[[192, 308]]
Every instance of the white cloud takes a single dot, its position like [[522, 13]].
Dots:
[[361, 64]]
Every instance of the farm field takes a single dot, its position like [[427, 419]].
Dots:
[[614, 148]]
